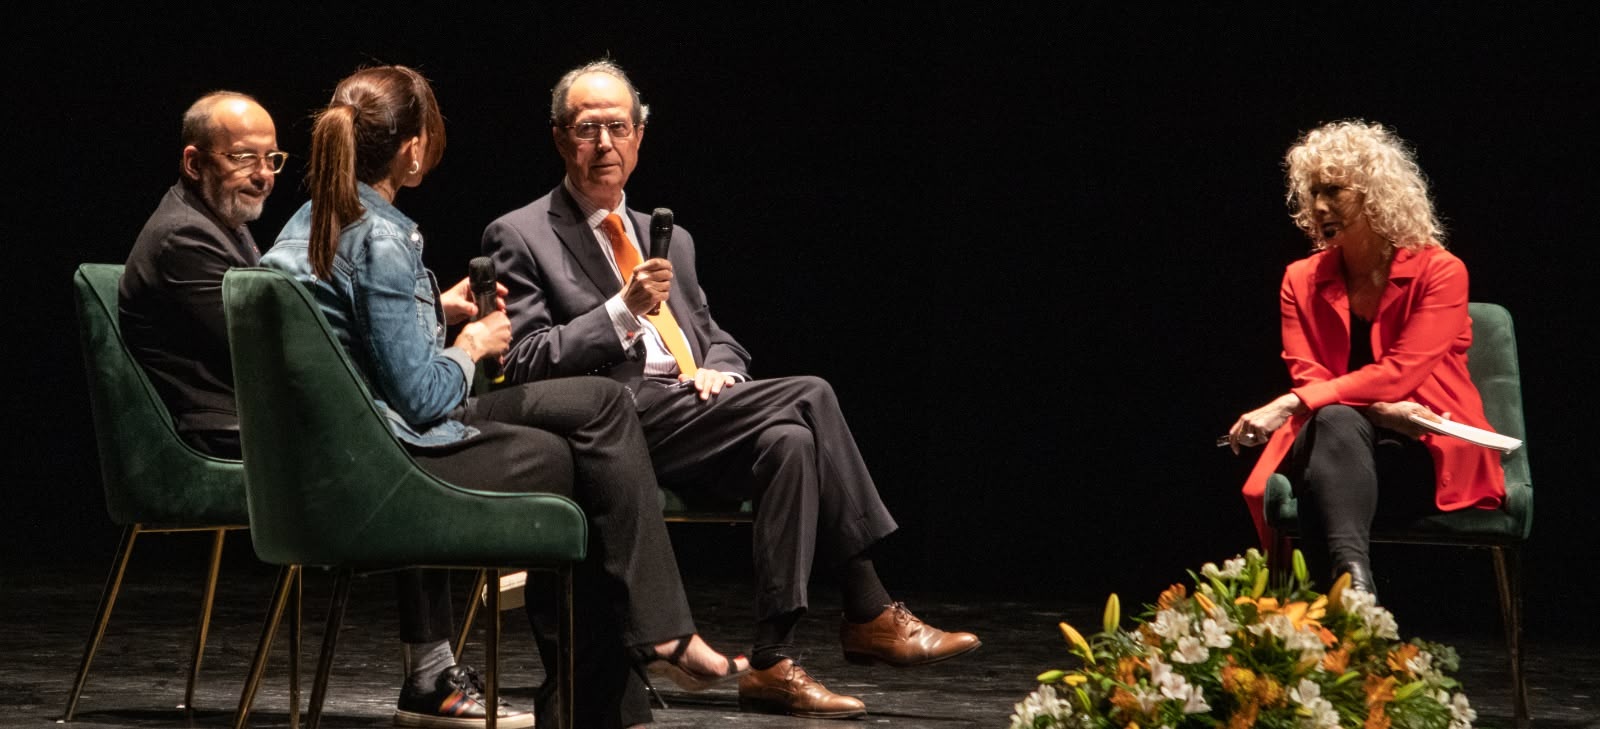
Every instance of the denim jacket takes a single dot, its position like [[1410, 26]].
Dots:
[[384, 306]]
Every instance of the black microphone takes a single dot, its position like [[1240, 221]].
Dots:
[[660, 232], [480, 271]]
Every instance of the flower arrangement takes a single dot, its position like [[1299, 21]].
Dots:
[[1243, 649]]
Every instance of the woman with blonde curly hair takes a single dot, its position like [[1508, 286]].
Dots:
[[1375, 334]]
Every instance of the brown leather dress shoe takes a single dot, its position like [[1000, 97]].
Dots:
[[786, 688], [898, 638]]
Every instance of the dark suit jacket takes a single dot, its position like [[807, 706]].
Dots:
[[170, 302], [559, 281]]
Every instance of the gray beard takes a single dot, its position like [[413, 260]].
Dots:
[[231, 208]]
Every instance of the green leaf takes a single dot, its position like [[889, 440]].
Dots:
[[1261, 583], [1405, 692]]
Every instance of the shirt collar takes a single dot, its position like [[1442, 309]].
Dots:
[[592, 213]]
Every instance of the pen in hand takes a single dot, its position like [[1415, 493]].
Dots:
[[1246, 439]]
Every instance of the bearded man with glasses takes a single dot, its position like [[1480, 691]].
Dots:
[[170, 297]]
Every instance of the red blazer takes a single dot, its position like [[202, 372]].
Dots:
[[1419, 340]]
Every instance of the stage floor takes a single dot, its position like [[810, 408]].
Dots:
[[138, 676]]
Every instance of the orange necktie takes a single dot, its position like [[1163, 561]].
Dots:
[[627, 258]]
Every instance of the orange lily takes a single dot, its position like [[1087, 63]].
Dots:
[[1380, 691], [1336, 661], [1399, 656], [1171, 597], [1336, 593]]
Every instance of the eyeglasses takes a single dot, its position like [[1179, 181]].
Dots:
[[590, 131], [274, 160]]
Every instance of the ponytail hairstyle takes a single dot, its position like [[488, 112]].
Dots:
[[373, 112]]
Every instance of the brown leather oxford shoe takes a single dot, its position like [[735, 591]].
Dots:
[[786, 688], [900, 639]]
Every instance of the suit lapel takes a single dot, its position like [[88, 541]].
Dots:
[[248, 249], [1402, 269], [1328, 279], [573, 231]]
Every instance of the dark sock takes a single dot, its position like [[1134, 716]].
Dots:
[[774, 640], [864, 596]]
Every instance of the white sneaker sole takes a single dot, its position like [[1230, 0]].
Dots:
[[519, 720]]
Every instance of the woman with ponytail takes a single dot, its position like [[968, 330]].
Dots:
[[362, 259]]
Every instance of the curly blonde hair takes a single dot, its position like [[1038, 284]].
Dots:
[[1371, 160]]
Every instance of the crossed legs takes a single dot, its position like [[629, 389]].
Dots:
[[1346, 473]]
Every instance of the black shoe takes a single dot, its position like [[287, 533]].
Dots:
[[456, 702], [1360, 577], [671, 667]]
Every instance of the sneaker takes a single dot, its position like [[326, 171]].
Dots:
[[456, 702]]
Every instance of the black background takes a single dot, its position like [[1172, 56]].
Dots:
[[1036, 249]]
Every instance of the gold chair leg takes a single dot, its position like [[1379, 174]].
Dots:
[[1507, 571], [108, 600], [294, 648], [478, 588], [564, 649], [330, 638], [203, 625], [286, 580], [491, 649]]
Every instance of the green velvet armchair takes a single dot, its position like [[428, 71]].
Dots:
[[154, 482], [329, 485], [1492, 361]]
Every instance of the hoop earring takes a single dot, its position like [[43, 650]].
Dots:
[[415, 165]]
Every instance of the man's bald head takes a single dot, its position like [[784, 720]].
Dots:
[[200, 122], [227, 139]]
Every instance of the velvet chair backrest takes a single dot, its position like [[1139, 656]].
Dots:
[[1492, 361], [328, 482], [150, 475]]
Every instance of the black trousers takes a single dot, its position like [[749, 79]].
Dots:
[[577, 437], [1348, 475], [215, 443], [784, 444]]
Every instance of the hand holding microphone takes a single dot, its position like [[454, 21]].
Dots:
[[480, 271], [651, 281], [661, 224]]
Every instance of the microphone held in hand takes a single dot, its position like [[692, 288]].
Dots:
[[660, 232], [480, 272], [660, 239]]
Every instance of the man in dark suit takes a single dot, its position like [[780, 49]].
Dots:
[[586, 298], [170, 302], [170, 298]]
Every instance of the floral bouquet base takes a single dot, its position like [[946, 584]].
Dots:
[[1244, 650]]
